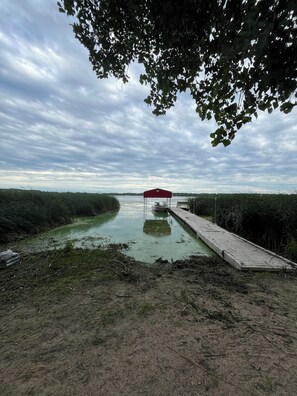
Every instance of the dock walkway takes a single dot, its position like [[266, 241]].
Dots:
[[238, 252]]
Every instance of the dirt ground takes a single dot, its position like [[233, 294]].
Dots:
[[96, 323]]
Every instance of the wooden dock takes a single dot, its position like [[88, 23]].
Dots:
[[238, 252]]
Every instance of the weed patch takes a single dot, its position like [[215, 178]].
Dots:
[[145, 308], [226, 316]]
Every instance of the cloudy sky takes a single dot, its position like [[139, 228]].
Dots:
[[61, 129]]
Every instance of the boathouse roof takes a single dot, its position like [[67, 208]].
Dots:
[[157, 193]]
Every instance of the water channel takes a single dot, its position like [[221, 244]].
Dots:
[[147, 236]]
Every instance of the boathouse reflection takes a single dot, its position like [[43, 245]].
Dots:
[[157, 227]]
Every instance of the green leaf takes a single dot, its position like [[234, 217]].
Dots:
[[174, 47], [226, 142], [287, 107]]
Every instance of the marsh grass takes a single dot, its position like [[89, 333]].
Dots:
[[27, 212], [292, 248], [269, 220]]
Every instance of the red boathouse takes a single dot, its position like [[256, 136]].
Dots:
[[158, 193]]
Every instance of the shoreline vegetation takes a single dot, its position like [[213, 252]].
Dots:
[[268, 220], [27, 212]]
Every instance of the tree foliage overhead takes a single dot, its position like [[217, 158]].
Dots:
[[235, 57]]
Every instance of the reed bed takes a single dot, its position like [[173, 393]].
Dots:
[[27, 212], [269, 220]]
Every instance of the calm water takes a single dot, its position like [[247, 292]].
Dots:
[[148, 236]]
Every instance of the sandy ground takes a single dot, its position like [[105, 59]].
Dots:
[[108, 326]]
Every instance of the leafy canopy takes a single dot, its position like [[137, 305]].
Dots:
[[235, 57]]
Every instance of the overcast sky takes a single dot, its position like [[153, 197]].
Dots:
[[61, 129]]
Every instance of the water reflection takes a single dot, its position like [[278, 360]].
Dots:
[[149, 235], [160, 215], [157, 228]]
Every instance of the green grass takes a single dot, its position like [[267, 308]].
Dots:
[[57, 273], [27, 212]]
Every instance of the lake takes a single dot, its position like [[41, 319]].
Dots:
[[146, 236]]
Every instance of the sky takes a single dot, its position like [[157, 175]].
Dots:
[[62, 129]]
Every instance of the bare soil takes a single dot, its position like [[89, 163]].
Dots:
[[97, 323]]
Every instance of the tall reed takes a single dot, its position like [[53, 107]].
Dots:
[[269, 220], [26, 212]]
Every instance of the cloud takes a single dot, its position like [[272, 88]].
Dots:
[[62, 129]]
